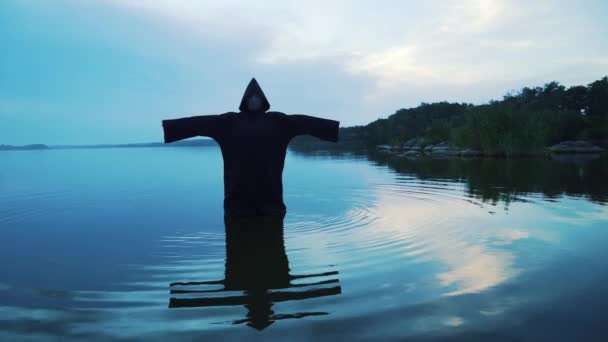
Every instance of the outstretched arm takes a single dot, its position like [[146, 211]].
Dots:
[[184, 128], [325, 129]]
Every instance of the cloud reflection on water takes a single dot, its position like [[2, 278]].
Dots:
[[454, 235]]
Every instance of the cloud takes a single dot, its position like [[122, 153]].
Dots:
[[395, 43]]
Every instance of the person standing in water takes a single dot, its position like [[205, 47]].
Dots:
[[253, 144]]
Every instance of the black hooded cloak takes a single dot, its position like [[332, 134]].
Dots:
[[253, 146]]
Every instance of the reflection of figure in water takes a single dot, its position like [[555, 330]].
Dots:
[[253, 144], [257, 265]]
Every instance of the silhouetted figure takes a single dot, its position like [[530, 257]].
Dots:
[[253, 143], [256, 263]]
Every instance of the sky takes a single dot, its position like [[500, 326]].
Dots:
[[108, 71]]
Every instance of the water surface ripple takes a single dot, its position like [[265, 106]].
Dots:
[[406, 253]]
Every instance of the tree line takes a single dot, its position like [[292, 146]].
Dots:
[[523, 121]]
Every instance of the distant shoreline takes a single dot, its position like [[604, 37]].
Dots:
[[23, 147], [33, 147]]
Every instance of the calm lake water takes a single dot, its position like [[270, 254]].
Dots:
[[371, 248]]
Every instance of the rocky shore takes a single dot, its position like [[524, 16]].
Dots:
[[417, 148]]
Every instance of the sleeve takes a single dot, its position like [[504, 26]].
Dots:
[[324, 129], [205, 125]]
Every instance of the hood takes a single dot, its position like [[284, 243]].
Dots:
[[254, 88]]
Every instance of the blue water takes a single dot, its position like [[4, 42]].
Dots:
[[422, 250]]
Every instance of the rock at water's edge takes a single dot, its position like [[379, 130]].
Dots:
[[574, 146]]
